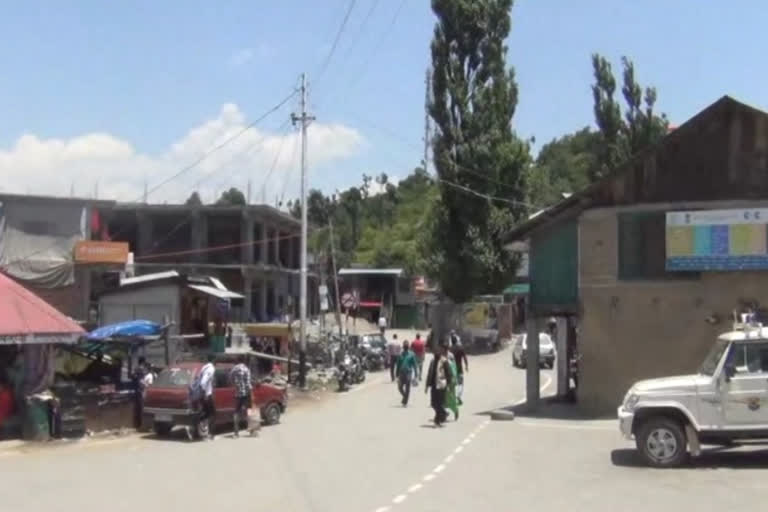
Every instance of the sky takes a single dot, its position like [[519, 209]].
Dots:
[[108, 99]]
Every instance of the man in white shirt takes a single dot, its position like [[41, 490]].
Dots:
[[382, 324], [206, 389]]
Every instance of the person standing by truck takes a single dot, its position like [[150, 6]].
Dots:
[[240, 375]]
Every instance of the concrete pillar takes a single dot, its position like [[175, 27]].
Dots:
[[145, 231], [248, 301], [562, 355], [261, 247], [246, 239], [532, 377], [199, 236], [263, 299], [277, 247]]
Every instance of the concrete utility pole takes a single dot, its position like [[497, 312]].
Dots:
[[304, 119], [335, 278], [427, 128]]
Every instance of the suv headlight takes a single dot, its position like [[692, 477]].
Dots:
[[630, 401]]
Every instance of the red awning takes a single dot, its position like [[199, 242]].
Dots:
[[26, 318], [370, 304]]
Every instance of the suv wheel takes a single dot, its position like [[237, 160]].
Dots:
[[661, 442], [162, 429], [271, 413]]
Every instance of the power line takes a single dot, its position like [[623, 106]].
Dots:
[[224, 143], [336, 40], [382, 39], [410, 144]]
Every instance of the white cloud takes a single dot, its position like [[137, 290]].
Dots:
[[375, 188], [243, 56], [52, 166]]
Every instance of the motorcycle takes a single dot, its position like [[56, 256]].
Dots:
[[349, 371], [374, 360]]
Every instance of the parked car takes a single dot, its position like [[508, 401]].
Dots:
[[725, 401], [547, 351], [167, 403]]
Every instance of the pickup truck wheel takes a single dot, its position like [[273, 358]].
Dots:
[[202, 429], [162, 429], [271, 413], [661, 442]]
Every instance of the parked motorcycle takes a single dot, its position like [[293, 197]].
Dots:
[[374, 360], [349, 371]]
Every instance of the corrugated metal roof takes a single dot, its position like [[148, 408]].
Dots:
[[26, 318], [370, 271], [158, 276], [221, 294]]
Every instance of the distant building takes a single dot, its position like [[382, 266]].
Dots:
[[380, 291], [647, 265]]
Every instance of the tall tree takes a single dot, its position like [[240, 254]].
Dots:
[[194, 199], [640, 127], [231, 197], [474, 96]]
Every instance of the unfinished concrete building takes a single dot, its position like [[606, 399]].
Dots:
[[253, 249]]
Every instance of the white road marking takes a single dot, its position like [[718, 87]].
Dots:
[[541, 390], [399, 499], [382, 509], [458, 449], [448, 459], [466, 441], [415, 487], [439, 468], [429, 477]]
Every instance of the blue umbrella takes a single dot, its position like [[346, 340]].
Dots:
[[130, 329]]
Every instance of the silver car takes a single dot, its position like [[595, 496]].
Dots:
[[547, 351]]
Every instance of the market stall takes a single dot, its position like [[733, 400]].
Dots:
[[30, 330]]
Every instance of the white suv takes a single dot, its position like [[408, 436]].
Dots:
[[726, 401]]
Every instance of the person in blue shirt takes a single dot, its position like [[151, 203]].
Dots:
[[405, 369]]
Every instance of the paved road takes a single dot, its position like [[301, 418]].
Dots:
[[360, 451], [355, 451]]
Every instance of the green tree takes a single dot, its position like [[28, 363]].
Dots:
[[194, 199], [623, 137], [563, 165], [231, 197], [474, 99]]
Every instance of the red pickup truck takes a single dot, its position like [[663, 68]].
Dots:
[[167, 402]]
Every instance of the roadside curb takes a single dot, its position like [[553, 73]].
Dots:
[[502, 415]]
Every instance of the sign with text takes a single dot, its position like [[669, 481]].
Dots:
[[93, 251], [717, 240]]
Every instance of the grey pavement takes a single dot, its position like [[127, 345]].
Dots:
[[361, 451]]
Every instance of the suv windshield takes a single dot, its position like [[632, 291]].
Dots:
[[173, 378], [709, 365]]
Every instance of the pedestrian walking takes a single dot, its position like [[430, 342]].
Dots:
[[382, 324], [438, 379], [394, 349], [206, 393], [406, 371], [451, 400], [462, 367], [419, 351], [240, 376]]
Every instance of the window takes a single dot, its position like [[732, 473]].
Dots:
[[221, 378], [749, 358], [642, 247]]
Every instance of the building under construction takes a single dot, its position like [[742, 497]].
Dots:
[[254, 250]]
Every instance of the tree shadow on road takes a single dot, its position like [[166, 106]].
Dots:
[[713, 458]]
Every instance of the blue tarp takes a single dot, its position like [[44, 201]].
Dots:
[[130, 329]]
